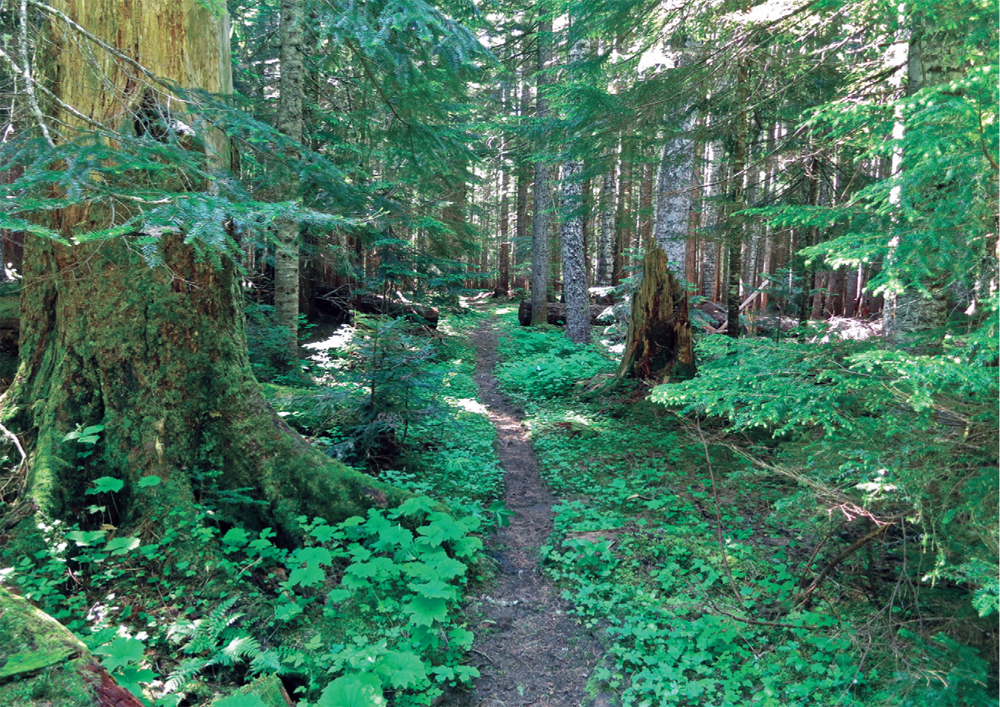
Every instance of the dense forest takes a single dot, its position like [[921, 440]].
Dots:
[[397, 352]]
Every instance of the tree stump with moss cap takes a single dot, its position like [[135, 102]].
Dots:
[[41, 662]]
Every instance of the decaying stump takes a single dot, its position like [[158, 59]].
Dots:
[[660, 340]]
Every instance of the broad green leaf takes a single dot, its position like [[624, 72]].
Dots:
[[308, 576], [86, 538], [122, 546], [403, 669], [353, 691], [287, 611], [106, 484], [130, 678], [435, 588], [391, 536], [120, 653], [424, 611], [416, 506], [236, 537]]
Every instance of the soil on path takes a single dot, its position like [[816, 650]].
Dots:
[[528, 650]]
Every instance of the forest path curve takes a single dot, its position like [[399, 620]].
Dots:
[[528, 649]]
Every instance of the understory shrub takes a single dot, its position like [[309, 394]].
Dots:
[[540, 363]]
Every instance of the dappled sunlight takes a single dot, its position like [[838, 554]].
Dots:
[[468, 404], [340, 338]]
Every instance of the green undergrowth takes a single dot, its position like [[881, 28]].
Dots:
[[365, 609], [692, 568], [186, 609], [402, 407]]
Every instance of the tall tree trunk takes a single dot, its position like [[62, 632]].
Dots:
[[672, 200], [103, 335], [572, 243], [540, 215], [291, 99], [606, 249], [811, 235], [935, 57], [524, 176], [503, 261], [623, 219], [737, 180]]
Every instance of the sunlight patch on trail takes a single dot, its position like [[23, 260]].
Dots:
[[468, 404]]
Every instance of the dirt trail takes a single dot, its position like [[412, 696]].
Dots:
[[528, 650]]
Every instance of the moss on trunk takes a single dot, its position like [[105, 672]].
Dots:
[[160, 361], [157, 356]]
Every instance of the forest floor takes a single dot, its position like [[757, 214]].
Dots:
[[530, 651]]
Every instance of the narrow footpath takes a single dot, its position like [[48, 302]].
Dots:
[[529, 651]]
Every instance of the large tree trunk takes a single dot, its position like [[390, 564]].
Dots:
[[156, 355], [660, 341], [734, 223], [572, 241], [935, 57], [672, 200], [524, 177]]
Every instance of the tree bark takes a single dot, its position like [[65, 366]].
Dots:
[[157, 355], [289, 122], [672, 200], [572, 241], [737, 180], [540, 215], [524, 177], [606, 248], [503, 278], [935, 57], [623, 232]]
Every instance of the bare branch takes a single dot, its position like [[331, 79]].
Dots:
[[29, 83]]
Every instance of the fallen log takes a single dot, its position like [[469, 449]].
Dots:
[[339, 303], [557, 313]]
